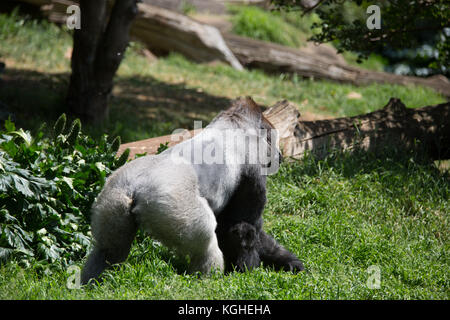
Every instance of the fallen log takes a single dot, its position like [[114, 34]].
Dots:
[[164, 31], [149, 146], [427, 128], [274, 58]]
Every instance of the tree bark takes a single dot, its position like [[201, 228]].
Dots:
[[98, 49], [427, 129]]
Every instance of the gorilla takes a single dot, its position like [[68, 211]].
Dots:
[[203, 197]]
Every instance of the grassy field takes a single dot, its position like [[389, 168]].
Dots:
[[340, 216]]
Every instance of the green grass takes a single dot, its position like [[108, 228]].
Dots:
[[373, 62], [321, 97], [340, 216], [39, 45], [259, 24]]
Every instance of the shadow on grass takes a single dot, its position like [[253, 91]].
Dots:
[[140, 107]]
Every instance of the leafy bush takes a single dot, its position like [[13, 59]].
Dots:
[[416, 32], [47, 185]]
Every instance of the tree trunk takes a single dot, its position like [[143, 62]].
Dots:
[[427, 128], [98, 49]]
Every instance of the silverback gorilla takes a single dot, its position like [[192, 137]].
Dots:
[[203, 197]]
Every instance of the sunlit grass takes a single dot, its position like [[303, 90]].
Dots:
[[340, 216]]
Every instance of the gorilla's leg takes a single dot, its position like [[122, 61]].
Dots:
[[206, 256], [181, 219], [199, 239], [275, 255], [113, 230]]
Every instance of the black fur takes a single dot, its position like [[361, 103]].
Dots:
[[239, 247], [244, 213]]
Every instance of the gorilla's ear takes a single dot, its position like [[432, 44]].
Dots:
[[247, 107], [252, 105], [254, 108]]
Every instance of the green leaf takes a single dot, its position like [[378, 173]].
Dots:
[[75, 130], [68, 181], [8, 217], [51, 252], [81, 238], [12, 238], [60, 125], [9, 125], [123, 158], [41, 232], [25, 251], [25, 135], [100, 166], [23, 186], [5, 253], [5, 182], [25, 235], [115, 144], [162, 147]]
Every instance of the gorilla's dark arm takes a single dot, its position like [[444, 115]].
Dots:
[[239, 245], [246, 208], [273, 254]]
